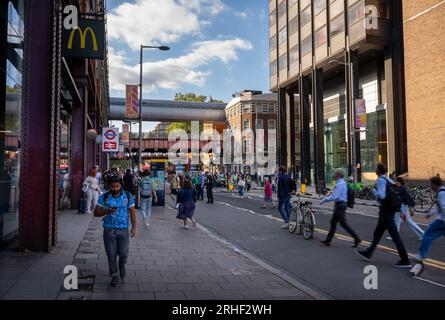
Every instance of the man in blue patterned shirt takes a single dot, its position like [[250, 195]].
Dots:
[[117, 207]]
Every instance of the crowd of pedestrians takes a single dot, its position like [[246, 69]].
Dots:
[[395, 205], [111, 195]]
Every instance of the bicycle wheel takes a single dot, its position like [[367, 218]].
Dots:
[[293, 220], [299, 225], [309, 225]]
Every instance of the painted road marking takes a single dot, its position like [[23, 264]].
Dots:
[[329, 209], [430, 262]]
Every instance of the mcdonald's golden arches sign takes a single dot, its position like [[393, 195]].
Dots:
[[86, 41]]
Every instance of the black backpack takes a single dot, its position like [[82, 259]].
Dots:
[[394, 198], [351, 197]]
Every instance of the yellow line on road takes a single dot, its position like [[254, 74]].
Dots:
[[429, 262]]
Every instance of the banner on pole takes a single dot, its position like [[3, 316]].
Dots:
[[110, 140], [132, 102], [125, 134], [360, 113]]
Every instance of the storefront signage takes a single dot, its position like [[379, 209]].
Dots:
[[110, 140], [86, 40], [131, 102], [360, 113]]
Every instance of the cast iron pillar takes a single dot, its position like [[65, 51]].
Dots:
[[40, 126]]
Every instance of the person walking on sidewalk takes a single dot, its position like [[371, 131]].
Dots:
[[210, 181], [268, 195], [389, 199], [91, 189], [340, 197], [148, 196], [174, 186], [186, 200], [241, 186], [284, 194], [201, 186], [437, 228], [117, 207], [406, 211]]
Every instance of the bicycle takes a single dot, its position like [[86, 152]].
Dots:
[[302, 219]]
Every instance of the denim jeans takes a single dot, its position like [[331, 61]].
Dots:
[[241, 191], [145, 210], [117, 242], [435, 230], [284, 208]]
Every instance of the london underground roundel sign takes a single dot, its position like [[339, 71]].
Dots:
[[110, 134], [110, 140]]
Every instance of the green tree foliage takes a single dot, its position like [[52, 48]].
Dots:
[[189, 97]]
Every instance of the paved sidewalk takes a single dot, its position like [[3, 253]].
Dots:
[[168, 262], [38, 276]]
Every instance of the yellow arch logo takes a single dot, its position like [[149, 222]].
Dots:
[[83, 35]]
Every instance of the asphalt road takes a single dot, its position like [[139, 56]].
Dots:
[[335, 271]]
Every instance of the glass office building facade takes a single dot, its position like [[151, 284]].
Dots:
[[337, 53]]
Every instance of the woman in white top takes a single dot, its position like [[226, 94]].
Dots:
[[91, 189]]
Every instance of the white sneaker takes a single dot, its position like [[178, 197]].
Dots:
[[147, 224], [388, 238], [186, 227], [285, 226]]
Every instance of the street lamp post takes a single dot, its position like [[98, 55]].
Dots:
[[162, 48], [350, 66]]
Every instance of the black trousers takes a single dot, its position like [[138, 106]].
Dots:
[[199, 191], [386, 222], [340, 217], [210, 195]]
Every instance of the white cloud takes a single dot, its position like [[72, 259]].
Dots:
[[160, 22], [173, 73], [164, 21]]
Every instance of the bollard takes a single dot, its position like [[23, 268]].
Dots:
[[303, 188]]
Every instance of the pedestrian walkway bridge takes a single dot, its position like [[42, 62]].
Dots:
[[169, 111]]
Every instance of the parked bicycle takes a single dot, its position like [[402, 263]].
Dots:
[[302, 218]]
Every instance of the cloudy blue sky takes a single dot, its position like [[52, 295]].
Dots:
[[218, 47]]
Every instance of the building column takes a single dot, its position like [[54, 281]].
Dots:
[[292, 136], [356, 94], [318, 111], [282, 128], [395, 88], [40, 122], [305, 136], [78, 149]]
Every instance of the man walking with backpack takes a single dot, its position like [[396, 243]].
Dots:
[[148, 195], [116, 207], [390, 201], [342, 199]]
